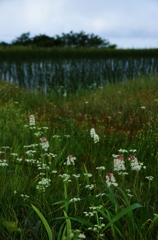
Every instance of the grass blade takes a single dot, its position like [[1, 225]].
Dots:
[[45, 223]]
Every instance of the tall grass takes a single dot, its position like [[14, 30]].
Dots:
[[58, 176], [32, 53], [70, 75], [74, 68]]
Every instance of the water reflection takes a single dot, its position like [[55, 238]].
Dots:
[[73, 75]]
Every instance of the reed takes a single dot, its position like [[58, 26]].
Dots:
[[13, 53], [69, 70]]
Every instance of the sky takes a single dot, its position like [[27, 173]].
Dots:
[[126, 23]]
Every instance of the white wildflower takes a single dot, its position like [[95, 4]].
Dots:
[[70, 160], [119, 164], [94, 135], [150, 178], [74, 200], [88, 174], [100, 168], [3, 163], [76, 175], [110, 180], [66, 177], [81, 235], [122, 150], [43, 184], [90, 187], [135, 165], [32, 121], [44, 143]]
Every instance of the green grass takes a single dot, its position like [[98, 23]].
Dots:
[[124, 116]]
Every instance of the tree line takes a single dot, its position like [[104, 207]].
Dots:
[[73, 40]]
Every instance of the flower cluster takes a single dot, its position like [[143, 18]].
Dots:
[[135, 165], [32, 122], [88, 175], [99, 226], [89, 214], [119, 164], [70, 160], [100, 168], [110, 180], [43, 184], [24, 196], [100, 195], [129, 193], [30, 152], [74, 200], [29, 160], [81, 235], [3, 163], [43, 166], [76, 175], [66, 177], [90, 186], [44, 143], [94, 135], [150, 178], [93, 210]]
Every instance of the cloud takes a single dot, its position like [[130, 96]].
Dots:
[[108, 19]]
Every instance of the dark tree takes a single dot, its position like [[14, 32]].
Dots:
[[71, 39], [43, 41], [23, 40], [4, 44]]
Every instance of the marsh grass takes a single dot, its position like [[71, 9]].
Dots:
[[74, 200], [36, 53], [71, 69]]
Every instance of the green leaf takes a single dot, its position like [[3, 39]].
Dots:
[[79, 220], [59, 237], [10, 226], [121, 214], [45, 223], [68, 226]]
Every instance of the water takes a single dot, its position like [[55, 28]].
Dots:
[[75, 74]]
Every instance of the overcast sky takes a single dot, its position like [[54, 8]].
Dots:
[[127, 23]]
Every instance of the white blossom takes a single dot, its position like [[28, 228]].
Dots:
[[110, 180], [74, 200], [135, 165], [90, 187], [70, 160], [100, 168], [44, 143], [150, 178], [119, 164], [32, 121], [94, 135], [66, 177], [81, 235]]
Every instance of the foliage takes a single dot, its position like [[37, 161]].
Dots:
[[50, 158], [27, 54], [71, 39]]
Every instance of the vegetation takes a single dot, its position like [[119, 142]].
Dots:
[[69, 70], [79, 166], [73, 40], [17, 53]]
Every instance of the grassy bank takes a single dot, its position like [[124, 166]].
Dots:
[[86, 161]]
